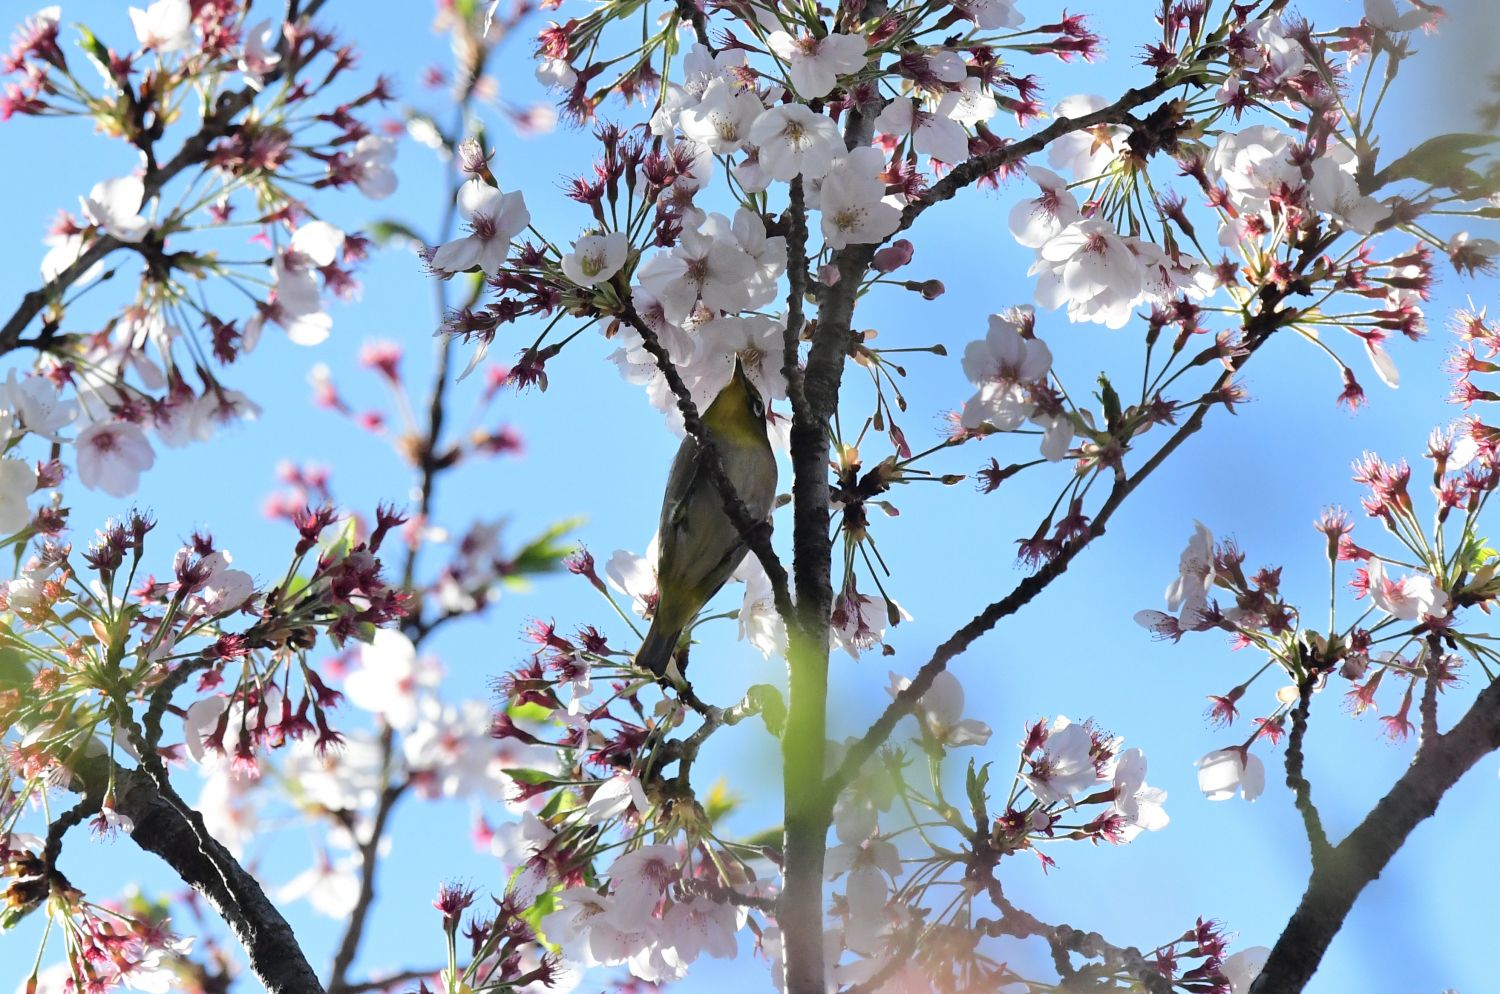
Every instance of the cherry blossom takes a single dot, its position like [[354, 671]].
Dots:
[[1188, 594], [852, 203], [635, 577], [614, 797], [940, 710], [298, 306], [17, 482], [1091, 268], [1226, 772], [1383, 14], [1089, 153], [331, 887], [1243, 967], [767, 252], [115, 206], [1136, 802], [371, 166], [759, 622], [164, 26], [700, 925], [753, 342], [990, 14], [1414, 597], [722, 119], [1253, 164], [1036, 221], [794, 141], [111, 457], [1003, 366], [971, 104], [494, 219], [391, 678], [39, 405], [260, 55], [1065, 766], [934, 134], [451, 752], [596, 258], [639, 879], [815, 64], [1334, 190], [707, 266]]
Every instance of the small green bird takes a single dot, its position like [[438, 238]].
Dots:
[[699, 547]]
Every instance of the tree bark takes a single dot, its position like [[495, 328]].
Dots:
[[1340, 875], [163, 827]]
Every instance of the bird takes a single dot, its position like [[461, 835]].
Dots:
[[698, 546]]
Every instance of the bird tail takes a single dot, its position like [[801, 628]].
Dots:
[[658, 646]]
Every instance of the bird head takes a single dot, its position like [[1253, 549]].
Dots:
[[738, 409]]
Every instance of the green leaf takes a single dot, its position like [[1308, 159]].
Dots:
[[719, 801], [768, 839], [531, 778], [543, 553], [14, 673], [772, 706], [338, 547], [528, 711], [388, 232], [976, 783], [1111, 402], [1478, 553], [96, 50], [1440, 161]]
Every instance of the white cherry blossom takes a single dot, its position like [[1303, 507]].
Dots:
[[1091, 268], [494, 219], [111, 457], [722, 119], [1003, 365], [164, 26], [1243, 967], [391, 678], [115, 206], [39, 405], [1138, 803], [707, 266], [852, 201], [814, 64], [990, 14], [933, 134], [1066, 764], [795, 141], [1091, 152], [1036, 221], [940, 711], [1226, 772], [972, 103], [371, 161], [596, 258], [1188, 593], [17, 482], [1414, 597]]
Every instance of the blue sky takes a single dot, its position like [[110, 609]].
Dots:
[[595, 448]]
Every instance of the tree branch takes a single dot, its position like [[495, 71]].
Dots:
[[972, 170], [369, 852], [1263, 325], [194, 151], [1296, 779], [169, 828], [1364, 854]]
